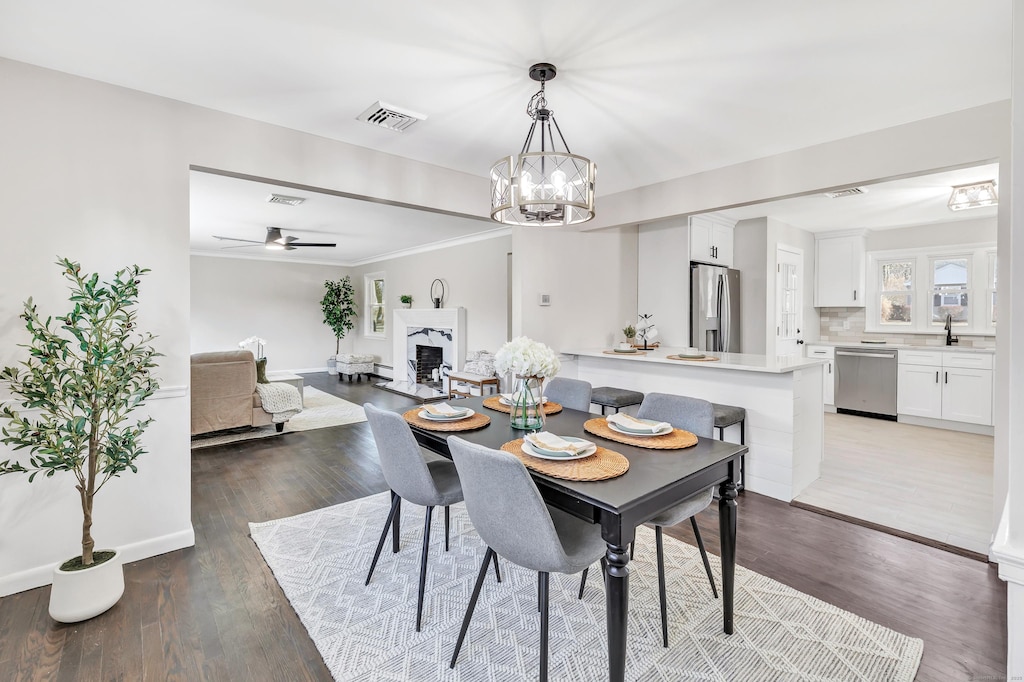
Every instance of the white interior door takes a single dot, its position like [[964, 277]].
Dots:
[[789, 288]]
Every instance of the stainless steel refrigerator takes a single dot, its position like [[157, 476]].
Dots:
[[714, 308]]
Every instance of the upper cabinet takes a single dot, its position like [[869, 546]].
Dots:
[[711, 240], [839, 270]]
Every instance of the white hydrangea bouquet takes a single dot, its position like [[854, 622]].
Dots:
[[260, 343], [531, 362]]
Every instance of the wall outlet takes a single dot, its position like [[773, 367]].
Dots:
[[846, 324], [544, 299]]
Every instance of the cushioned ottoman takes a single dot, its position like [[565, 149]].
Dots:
[[352, 364]]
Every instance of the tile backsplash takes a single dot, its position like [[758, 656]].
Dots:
[[834, 319]]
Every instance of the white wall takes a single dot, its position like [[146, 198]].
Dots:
[[663, 278], [233, 299], [476, 279], [755, 246], [750, 257], [101, 174], [962, 138], [975, 231], [592, 280]]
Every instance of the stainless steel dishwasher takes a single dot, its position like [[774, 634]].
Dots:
[[866, 381]]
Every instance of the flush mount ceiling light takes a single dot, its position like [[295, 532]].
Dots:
[[545, 187], [973, 196]]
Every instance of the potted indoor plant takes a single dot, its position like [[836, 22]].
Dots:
[[406, 300], [629, 331], [339, 308], [86, 372]]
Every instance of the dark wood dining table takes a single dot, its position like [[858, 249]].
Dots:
[[656, 480]]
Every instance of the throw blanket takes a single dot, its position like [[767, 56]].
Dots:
[[281, 400]]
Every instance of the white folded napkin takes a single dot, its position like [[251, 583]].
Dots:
[[550, 441], [443, 410], [624, 420]]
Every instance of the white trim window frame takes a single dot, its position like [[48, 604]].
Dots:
[[886, 297], [375, 302], [981, 278], [953, 297]]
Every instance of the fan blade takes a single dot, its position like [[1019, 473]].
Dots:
[[240, 246], [309, 244], [235, 239]]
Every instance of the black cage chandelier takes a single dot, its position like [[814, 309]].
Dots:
[[546, 187]]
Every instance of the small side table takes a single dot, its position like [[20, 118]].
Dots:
[[477, 380]]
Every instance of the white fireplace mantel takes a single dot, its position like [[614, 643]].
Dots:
[[436, 318]]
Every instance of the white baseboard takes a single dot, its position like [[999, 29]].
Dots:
[[979, 429], [308, 370], [43, 575]]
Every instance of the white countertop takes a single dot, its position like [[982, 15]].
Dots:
[[902, 346], [733, 361]]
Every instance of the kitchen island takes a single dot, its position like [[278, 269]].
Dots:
[[782, 396]]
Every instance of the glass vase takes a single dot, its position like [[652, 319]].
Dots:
[[527, 411]]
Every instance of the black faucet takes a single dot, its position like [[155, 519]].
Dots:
[[950, 339]]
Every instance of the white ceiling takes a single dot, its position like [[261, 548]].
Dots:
[[649, 90], [919, 200], [363, 230]]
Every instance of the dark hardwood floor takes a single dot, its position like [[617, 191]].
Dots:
[[215, 612]]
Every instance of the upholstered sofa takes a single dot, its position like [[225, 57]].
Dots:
[[224, 392]]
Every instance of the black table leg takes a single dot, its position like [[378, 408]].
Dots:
[[395, 524], [727, 523], [617, 607]]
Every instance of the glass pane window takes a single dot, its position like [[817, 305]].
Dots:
[[950, 299], [375, 297], [896, 295]]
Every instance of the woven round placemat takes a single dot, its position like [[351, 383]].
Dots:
[[706, 358], [494, 403], [477, 421], [612, 352], [676, 440], [600, 466]]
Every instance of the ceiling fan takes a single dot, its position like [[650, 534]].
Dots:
[[275, 241]]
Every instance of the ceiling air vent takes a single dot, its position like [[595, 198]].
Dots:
[[390, 117], [848, 192], [284, 199]]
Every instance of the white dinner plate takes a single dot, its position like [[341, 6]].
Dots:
[[641, 434], [534, 452], [454, 418]]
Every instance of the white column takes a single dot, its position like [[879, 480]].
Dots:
[[1008, 548]]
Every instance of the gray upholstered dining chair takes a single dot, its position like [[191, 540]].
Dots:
[[572, 393], [412, 478], [512, 519], [698, 417]]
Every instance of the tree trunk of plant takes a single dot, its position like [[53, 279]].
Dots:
[[87, 541], [337, 345]]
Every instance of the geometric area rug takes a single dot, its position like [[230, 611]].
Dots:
[[320, 559], [319, 410]]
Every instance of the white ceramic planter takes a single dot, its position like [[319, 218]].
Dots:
[[81, 595], [332, 367]]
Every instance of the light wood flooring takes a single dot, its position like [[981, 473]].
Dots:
[[932, 483]]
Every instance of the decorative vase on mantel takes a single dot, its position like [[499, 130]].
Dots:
[[527, 408]]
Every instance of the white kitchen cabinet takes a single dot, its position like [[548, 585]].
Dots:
[[919, 391], [839, 271], [828, 377], [711, 240], [967, 395], [945, 385]]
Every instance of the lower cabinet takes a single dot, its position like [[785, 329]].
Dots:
[[828, 377], [919, 391], [942, 392]]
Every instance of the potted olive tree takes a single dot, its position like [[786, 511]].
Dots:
[[86, 372], [339, 308]]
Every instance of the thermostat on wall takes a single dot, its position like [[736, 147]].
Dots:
[[544, 299]]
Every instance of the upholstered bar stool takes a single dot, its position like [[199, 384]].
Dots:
[[730, 415], [616, 398]]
